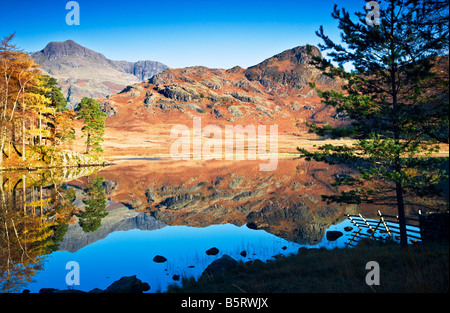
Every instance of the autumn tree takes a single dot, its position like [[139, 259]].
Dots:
[[94, 124], [32, 107], [396, 100], [59, 120], [18, 73]]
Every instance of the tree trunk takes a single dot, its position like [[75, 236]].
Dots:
[[40, 129], [2, 143], [88, 143], [23, 141], [396, 131], [24, 195], [401, 216]]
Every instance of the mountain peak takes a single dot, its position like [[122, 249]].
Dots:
[[291, 67], [84, 72], [59, 49]]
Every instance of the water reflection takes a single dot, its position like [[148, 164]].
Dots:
[[286, 203], [35, 210], [115, 220], [90, 218]]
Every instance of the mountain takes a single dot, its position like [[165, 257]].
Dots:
[[273, 92], [83, 72]]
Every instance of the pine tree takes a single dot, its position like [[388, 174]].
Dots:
[[55, 94], [398, 114], [94, 124]]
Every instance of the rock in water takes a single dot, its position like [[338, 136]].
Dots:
[[332, 235], [225, 263], [159, 259], [212, 251], [129, 284]]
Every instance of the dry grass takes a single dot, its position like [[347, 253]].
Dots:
[[421, 269]]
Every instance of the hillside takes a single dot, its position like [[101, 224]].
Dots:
[[274, 92], [83, 72]]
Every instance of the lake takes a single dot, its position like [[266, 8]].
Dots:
[[113, 221]]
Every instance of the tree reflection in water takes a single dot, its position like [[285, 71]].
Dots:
[[35, 209]]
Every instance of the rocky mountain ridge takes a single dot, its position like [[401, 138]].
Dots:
[[276, 91], [84, 72]]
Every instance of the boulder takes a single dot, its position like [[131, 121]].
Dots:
[[212, 251], [126, 284], [176, 277], [332, 235], [129, 284], [159, 259], [225, 263]]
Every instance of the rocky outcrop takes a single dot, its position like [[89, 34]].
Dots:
[[69, 159], [108, 107], [179, 93], [291, 67], [143, 70]]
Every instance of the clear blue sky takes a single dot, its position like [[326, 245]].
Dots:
[[218, 34]]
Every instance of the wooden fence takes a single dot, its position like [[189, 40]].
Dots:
[[385, 228]]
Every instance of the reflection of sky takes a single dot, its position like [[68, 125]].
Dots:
[[128, 253]]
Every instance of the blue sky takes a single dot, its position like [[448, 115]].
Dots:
[[218, 34]]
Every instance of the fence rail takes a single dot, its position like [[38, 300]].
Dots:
[[382, 229]]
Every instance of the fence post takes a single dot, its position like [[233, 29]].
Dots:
[[384, 223]]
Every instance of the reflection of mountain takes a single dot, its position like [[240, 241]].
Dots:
[[285, 202], [119, 218]]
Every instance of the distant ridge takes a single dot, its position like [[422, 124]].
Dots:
[[84, 72]]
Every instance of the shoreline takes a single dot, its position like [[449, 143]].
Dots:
[[36, 168]]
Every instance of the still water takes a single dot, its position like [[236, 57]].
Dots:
[[113, 221]]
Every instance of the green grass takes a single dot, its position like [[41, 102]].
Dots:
[[423, 268]]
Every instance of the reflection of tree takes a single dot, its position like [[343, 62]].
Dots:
[[34, 211], [95, 206]]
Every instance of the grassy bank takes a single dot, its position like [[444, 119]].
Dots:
[[423, 268]]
